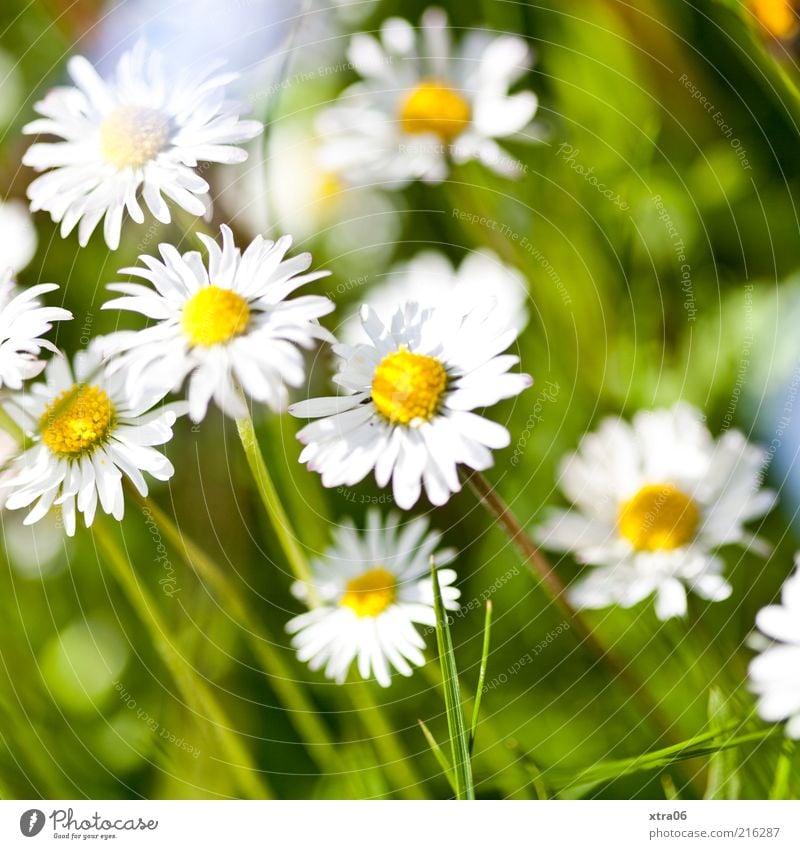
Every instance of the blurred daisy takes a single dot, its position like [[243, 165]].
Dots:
[[777, 17], [421, 105], [775, 673], [431, 280], [87, 435], [406, 413], [143, 131], [23, 321], [18, 238], [228, 326], [653, 500], [373, 586], [308, 201]]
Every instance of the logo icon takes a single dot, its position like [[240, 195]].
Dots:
[[31, 822]]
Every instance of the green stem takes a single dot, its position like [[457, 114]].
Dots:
[[395, 760], [193, 688], [300, 710], [272, 504], [392, 755]]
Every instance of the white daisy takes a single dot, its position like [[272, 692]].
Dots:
[[653, 500], [373, 586], [421, 105], [87, 434], [146, 129], [775, 673], [406, 413], [227, 326], [431, 280], [18, 238], [23, 322]]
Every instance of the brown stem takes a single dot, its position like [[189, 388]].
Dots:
[[556, 592]]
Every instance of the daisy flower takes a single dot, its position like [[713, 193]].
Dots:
[[775, 673], [18, 238], [407, 411], [23, 321], [431, 280], [141, 133], [421, 105], [373, 586], [653, 500], [227, 325], [87, 434]]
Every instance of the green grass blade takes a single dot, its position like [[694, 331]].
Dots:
[[459, 738], [440, 755], [703, 745], [724, 781], [783, 772], [487, 632], [670, 790]]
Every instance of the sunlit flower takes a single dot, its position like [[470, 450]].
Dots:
[[778, 17], [406, 411], [421, 105], [137, 136], [653, 500], [373, 586], [87, 434], [775, 673], [23, 323], [18, 238], [431, 280], [226, 326]]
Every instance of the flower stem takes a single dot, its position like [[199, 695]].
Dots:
[[392, 755], [193, 688], [301, 712], [272, 504]]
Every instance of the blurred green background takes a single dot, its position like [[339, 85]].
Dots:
[[681, 284]]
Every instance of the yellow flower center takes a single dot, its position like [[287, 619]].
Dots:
[[77, 421], [776, 16], [133, 135], [659, 518], [408, 387], [433, 107], [214, 315], [371, 593]]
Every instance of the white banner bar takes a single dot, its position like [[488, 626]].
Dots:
[[402, 825]]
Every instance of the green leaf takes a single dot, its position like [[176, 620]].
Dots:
[[724, 781], [670, 790], [440, 755], [487, 632], [459, 738]]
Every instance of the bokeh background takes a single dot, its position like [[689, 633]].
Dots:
[[659, 241]]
